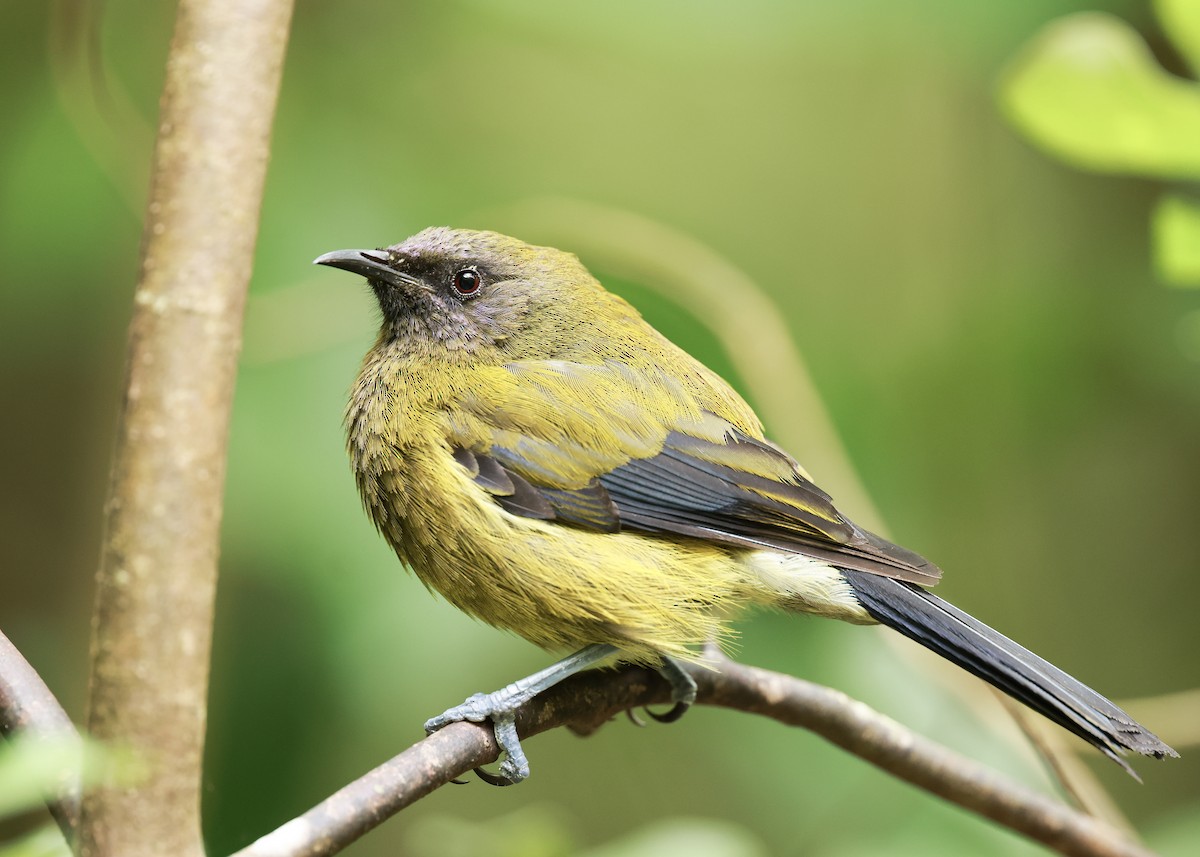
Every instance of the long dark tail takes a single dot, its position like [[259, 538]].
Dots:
[[1020, 673]]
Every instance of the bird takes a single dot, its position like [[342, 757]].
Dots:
[[554, 466]]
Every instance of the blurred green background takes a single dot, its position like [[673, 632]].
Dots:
[[1019, 392]]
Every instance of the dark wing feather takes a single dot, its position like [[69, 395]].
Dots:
[[589, 506], [688, 493], [548, 447], [510, 490]]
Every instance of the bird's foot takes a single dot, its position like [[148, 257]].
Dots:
[[500, 709], [683, 691]]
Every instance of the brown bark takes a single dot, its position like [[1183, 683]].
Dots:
[[29, 710], [586, 701], [153, 615]]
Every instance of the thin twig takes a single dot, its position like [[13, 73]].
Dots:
[[1067, 768], [29, 709], [587, 701], [155, 586]]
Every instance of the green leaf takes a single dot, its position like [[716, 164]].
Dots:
[[1181, 21], [46, 841], [1088, 89], [31, 769], [1176, 230]]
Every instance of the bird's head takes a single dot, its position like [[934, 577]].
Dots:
[[468, 291]]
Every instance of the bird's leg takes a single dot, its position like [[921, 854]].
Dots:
[[501, 708], [683, 690]]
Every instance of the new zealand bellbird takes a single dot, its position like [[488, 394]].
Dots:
[[552, 465]]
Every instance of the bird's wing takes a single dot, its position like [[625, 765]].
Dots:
[[609, 448]]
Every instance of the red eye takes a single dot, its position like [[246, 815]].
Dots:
[[467, 282]]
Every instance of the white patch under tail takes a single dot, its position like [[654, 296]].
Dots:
[[807, 585]]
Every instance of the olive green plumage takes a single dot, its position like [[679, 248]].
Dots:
[[561, 381], [551, 464]]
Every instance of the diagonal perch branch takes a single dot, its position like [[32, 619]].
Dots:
[[27, 707], [585, 702]]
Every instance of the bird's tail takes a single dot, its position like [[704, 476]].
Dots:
[[1020, 673]]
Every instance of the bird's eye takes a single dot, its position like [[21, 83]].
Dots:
[[467, 282]]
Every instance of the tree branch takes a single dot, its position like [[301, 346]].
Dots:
[[28, 708], [586, 701], [154, 601]]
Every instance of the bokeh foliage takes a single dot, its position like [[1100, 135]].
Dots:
[[985, 325], [1090, 90]]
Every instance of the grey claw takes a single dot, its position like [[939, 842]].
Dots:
[[475, 709], [515, 766], [493, 779], [678, 710]]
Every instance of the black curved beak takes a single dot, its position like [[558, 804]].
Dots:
[[372, 264]]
